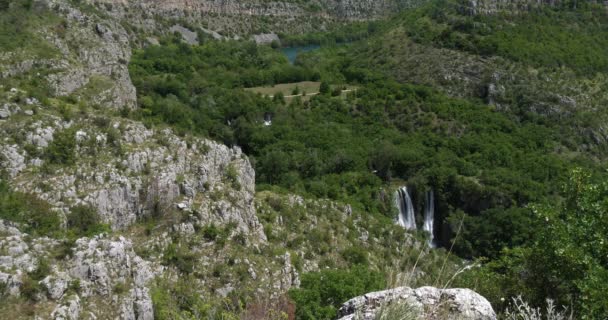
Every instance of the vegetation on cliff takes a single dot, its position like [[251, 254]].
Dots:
[[509, 136]]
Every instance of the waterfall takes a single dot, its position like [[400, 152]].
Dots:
[[429, 215], [403, 202], [267, 119]]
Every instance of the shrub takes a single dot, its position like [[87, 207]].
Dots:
[[322, 293], [62, 149], [30, 288], [355, 255], [179, 257], [42, 270], [84, 221], [324, 88], [232, 176], [27, 209], [120, 288], [178, 301], [211, 232]]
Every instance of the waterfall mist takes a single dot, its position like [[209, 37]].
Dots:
[[429, 216]]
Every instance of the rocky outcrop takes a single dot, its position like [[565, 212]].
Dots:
[[265, 38], [145, 173], [98, 267], [88, 57], [486, 7], [188, 35], [421, 303], [242, 18]]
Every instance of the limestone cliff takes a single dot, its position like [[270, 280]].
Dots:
[[230, 17], [127, 172], [87, 56]]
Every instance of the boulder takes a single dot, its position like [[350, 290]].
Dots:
[[421, 303]]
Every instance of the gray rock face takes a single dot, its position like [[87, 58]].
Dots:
[[4, 113], [70, 310], [56, 285], [13, 160], [138, 305], [421, 303], [265, 38], [239, 17], [91, 52], [156, 173], [189, 36], [487, 7], [101, 263]]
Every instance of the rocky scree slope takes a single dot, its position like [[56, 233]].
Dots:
[[230, 18]]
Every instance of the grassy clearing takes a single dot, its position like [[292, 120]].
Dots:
[[304, 89], [288, 89]]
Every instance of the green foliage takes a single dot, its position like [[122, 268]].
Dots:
[[211, 232], [179, 257], [494, 230], [571, 259], [355, 256], [120, 288], [485, 167], [324, 88], [62, 150], [178, 301], [566, 260], [43, 269], [340, 34], [348, 149], [84, 221], [232, 176], [322, 293], [20, 21], [27, 209], [30, 288], [549, 36]]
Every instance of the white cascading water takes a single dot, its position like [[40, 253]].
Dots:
[[403, 202], [267, 119], [429, 216]]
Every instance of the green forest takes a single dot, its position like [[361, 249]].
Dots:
[[493, 172], [509, 134]]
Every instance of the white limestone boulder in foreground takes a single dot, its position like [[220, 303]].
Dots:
[[422, 303]]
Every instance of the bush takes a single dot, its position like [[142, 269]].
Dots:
[[179, 257], [62, 149], [30, 288], [211, 232], [42, 270], [232, 176], [179, 300], [84, 221], [324, 88], [355, 256], [27, 209], [322, 293]]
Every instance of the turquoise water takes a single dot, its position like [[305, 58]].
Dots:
[[292, 52]]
